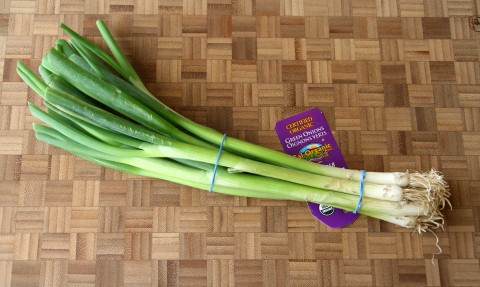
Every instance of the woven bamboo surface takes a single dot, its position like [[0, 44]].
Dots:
[[398, 81]]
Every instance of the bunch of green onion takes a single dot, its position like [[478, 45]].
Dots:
[[98, 108]]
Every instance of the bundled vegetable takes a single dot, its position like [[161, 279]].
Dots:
[[99, 109]]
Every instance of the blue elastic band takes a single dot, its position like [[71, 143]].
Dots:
[[362, 182], [216, 162]]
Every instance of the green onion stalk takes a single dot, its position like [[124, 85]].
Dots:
[[98, 108]]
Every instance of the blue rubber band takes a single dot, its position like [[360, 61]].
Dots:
[[362, 183], [216, 162]]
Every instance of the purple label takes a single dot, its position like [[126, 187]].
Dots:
[[308, 136]]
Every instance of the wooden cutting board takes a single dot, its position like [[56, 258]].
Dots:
[[398, 81]]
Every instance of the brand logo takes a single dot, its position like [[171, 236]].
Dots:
[[314, 152], [326, 210]]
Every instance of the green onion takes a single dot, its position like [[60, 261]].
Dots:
[[114, 121]]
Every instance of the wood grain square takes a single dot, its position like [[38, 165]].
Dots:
[[84, 219], [292, 27], [244, 26], [467, 73], [82, 246], [411, 8], [71, 7], [267, 95], [219, 7], [421, 96], [57, 219], [55, 246], [86, 193], [369, 72], [470, 143], [219, 71], [396, 95], [441, 50], [387, 8], [109, 272], [165, 246], [194, 48], [316, 27], [244, 71], [153, 26], [11, 142], [63, 167], [412, 28], [26, 246], [301, 245], [442, 72], [393, 74], [110, 246], [82, 272], [217, 95], [468, 95], [111, 219], [26, 273], [298, 220], [166, 7], [195, 7], [194, 26], [398, 119], [313, 8], [193, 219], [380, 246], [459, 7], [344, 72], [364, 8], [422, 119], [472, 121], [251, 269], [292, 7], [416, 50], [425, 143], [294, 72], [341, 27], [370, 95], [247, 219], [7, 219], [267, 8], [138, 273], [113, 193], [269, 71], [219, 48], [137, 246], [219, 26], [274, 246], [194, 70], [460, 28], [170, 48], [319, 72], [418, 73], [367, 50], [220, 246], [465, 50], [347, 118], [138, 219], [319, 49], [268, 27], [328, 246], [269, 49], [389, 28], [13, 94], [168, 71], [170, 26], [192, 246], [7, 246], [436, 28], [244, 48]]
